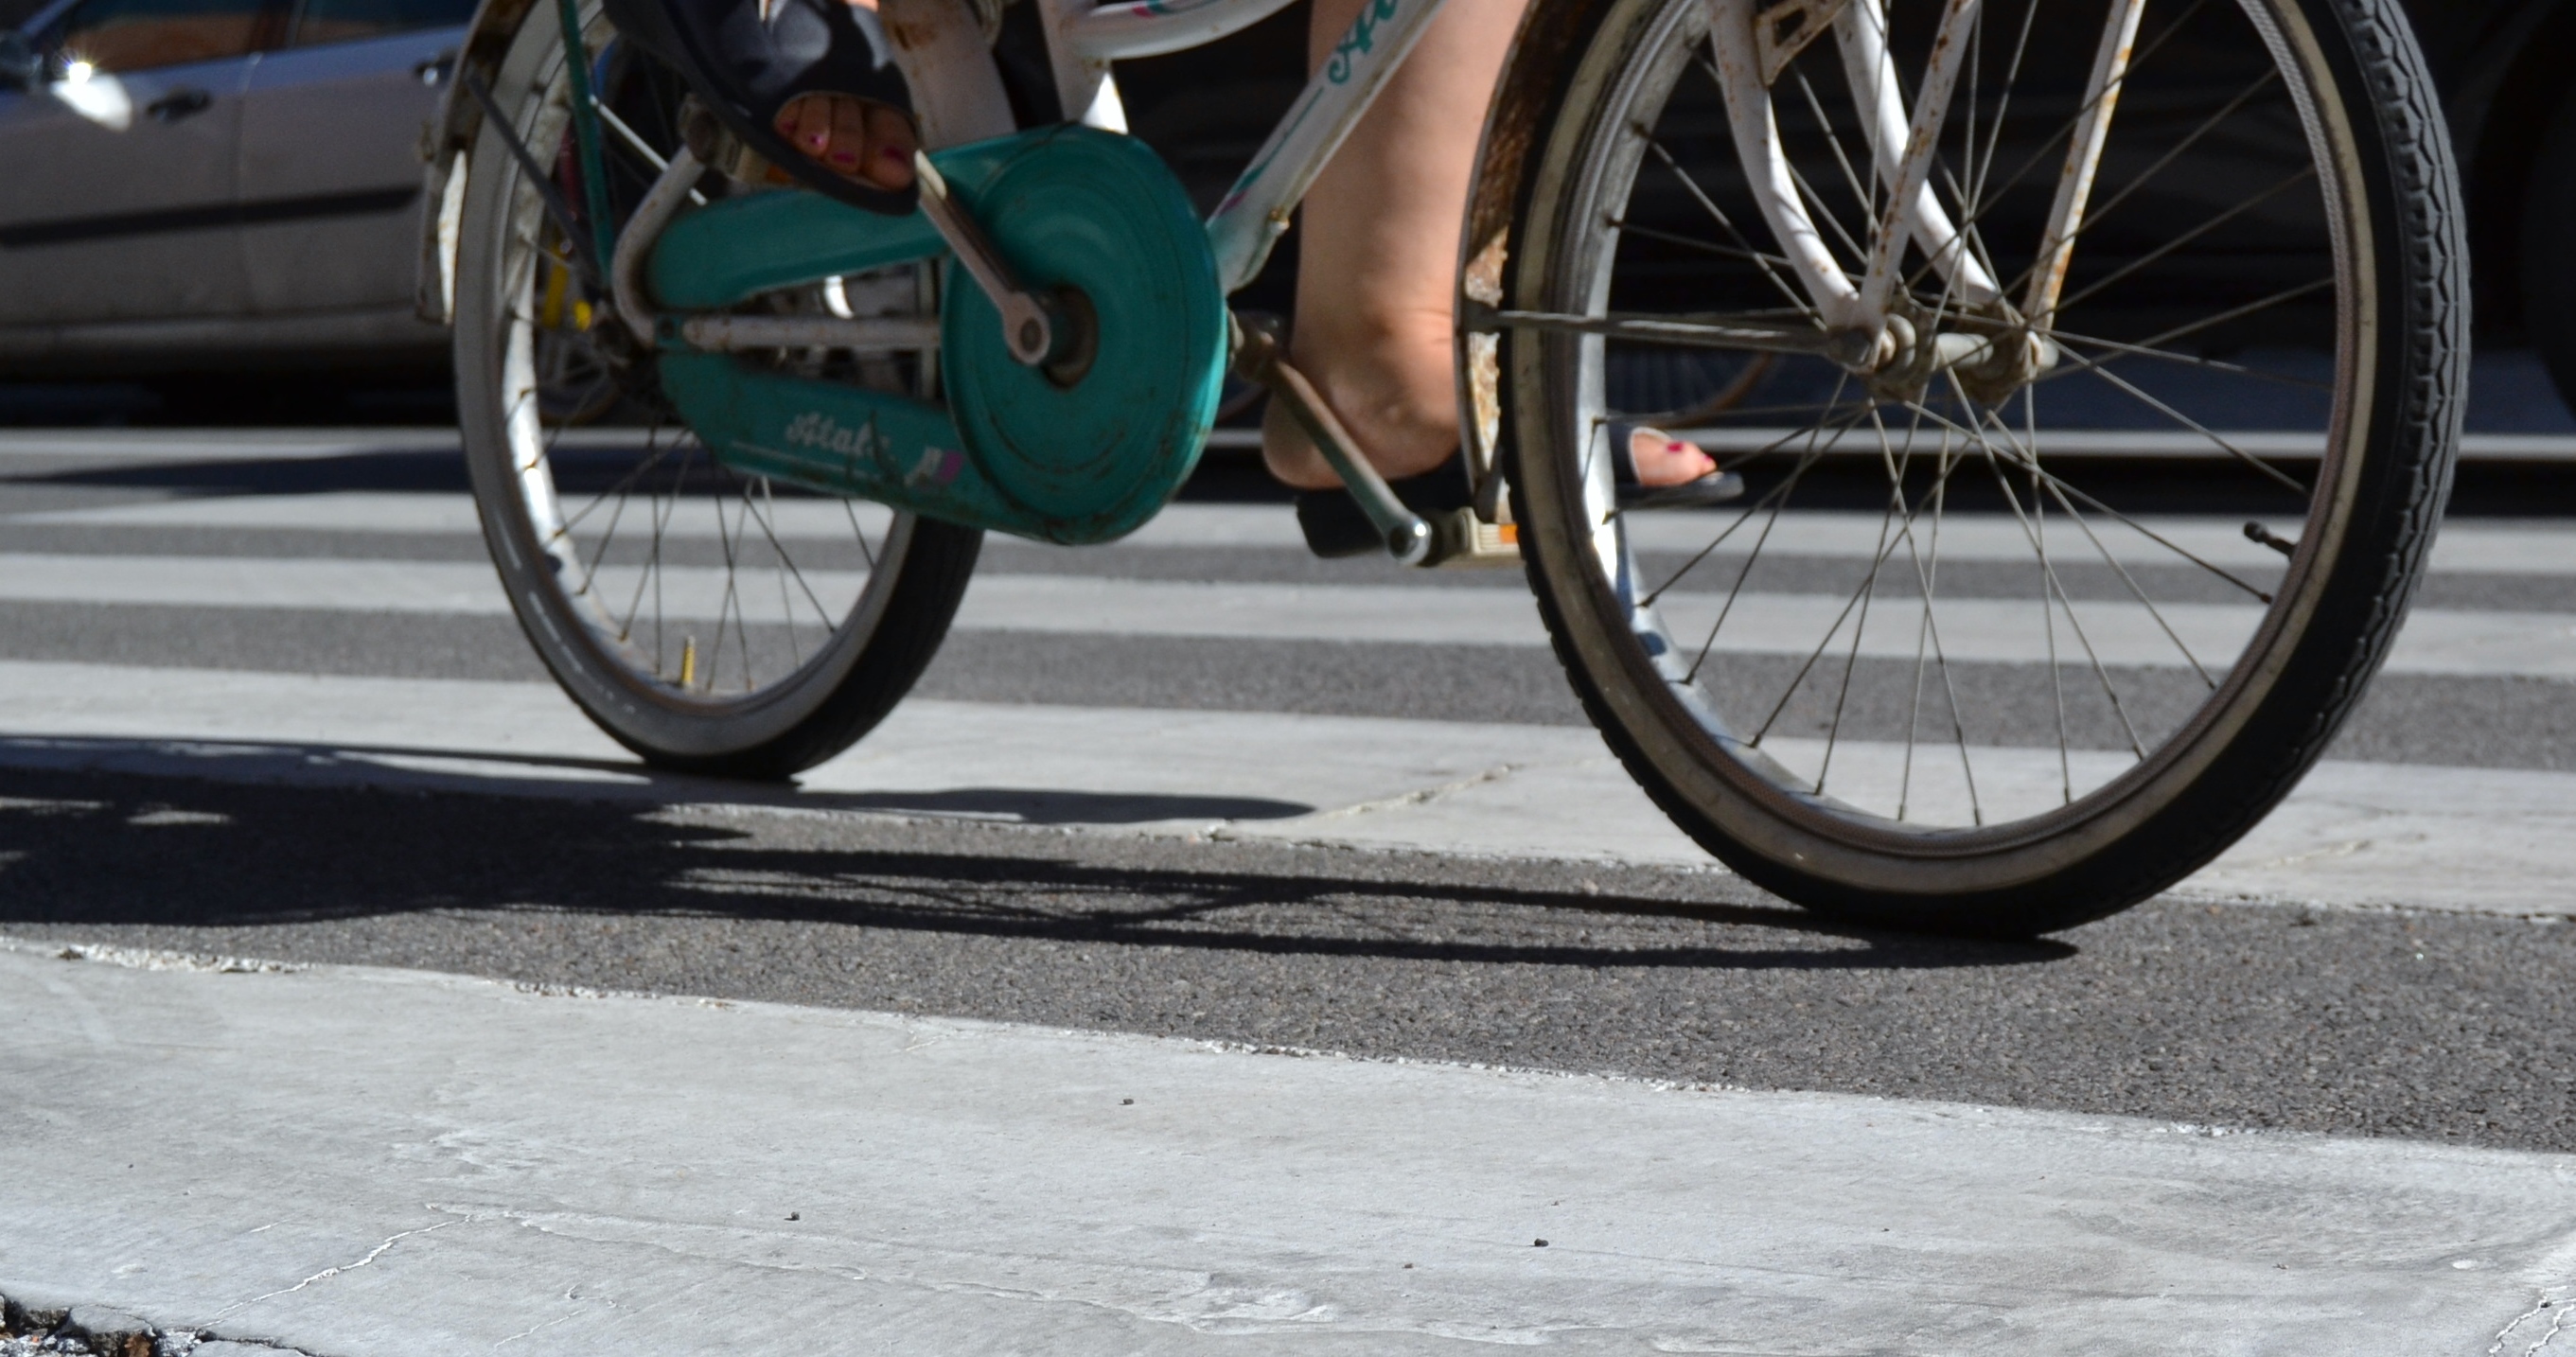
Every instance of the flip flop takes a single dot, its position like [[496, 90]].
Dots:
[[1717, 487]]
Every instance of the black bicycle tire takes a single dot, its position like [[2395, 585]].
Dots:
[[932, 567], [2411, 189]]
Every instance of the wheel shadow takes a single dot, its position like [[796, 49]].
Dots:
[[506, 774], [270, 865]]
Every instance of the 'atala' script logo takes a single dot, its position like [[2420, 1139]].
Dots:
[[814, 429]]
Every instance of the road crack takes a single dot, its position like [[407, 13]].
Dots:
[[330, 1272], [2556, 1307]]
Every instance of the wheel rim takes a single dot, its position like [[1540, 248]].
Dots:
[[1872, 675], [717, 609]]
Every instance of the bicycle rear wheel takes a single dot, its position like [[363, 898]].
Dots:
[[710, 621], [1985, 647]]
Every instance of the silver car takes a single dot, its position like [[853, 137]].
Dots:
[[185, 178]]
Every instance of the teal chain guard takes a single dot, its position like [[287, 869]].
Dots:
[[1078, 213]]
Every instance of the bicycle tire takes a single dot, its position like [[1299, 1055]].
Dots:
[[844, 669], [1549, 183]]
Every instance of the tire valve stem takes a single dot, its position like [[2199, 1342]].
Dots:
[[688, 662], [2256, 532]]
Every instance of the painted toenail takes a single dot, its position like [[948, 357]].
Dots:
[[845, 158]]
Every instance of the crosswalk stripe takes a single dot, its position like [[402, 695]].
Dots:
[[2437, 641], [2546, 547], [2357, 833]]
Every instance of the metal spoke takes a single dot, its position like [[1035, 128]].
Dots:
[[1779, 500], [1800, 678], [2285, 295], [860, 533], [2185, 238], [2188, 422], [1797, 296], [2041, 154], [2108, 556], [2186, 359], [768, 530], [2074, 623], [2097, 505], [1813, 455], [1691, 242], [2048, 619], [2139, 181]]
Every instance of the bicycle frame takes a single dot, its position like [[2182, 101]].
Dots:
[[1085, 38], [1754, 45]]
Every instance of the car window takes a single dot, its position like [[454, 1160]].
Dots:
[[138, 35], [327, 21]]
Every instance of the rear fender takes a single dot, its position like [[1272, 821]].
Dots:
[[444, 144]]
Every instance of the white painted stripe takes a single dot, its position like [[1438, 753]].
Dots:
[[266, 444], [181, 446], [615, 1172], [2437, 641], [369, 512], [2126, 444], [2469, 546], [2453, 838]]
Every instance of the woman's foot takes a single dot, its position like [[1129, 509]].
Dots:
[[1397, 398], [1390, 386], [1661, 460], [858, 139]]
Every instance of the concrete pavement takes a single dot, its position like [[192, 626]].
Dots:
[[371, 1161], [246, 1151]]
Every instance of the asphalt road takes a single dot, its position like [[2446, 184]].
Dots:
[[2391, 1022]]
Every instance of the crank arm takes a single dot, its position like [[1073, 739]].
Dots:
[[1257, 359], [1026, 327]]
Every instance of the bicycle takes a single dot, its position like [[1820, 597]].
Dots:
[[1971, 243]]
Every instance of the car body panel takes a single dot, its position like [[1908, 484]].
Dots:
[[135, 220], [330, 170]]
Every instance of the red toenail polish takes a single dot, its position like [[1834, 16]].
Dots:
[[1677, 446], [844, 158]]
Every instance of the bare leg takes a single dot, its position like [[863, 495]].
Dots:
[[1378, 268]]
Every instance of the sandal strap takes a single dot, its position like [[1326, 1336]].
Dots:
[[745, 69]]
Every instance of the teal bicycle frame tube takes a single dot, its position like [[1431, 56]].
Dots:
[[586, 132]]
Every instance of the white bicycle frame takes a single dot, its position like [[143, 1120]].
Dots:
[[1084, 38], [1753, 44]]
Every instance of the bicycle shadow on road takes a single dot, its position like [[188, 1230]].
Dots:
[[410, 875], [500, 774]]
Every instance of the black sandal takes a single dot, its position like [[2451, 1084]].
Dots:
[[1336, 526], [746, 59], [1717, 487]]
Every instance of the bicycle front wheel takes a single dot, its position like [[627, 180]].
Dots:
[[708, 620], [2044, 592]]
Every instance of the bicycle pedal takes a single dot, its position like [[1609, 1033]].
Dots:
[[1462, 541]]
